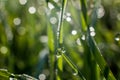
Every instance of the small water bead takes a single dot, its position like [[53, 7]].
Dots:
[[22, 2], [32, 10], [68, 19], [74, 32], [92, 33], [3, 50], [83, 37], [58, 56], [75, 74], [92, 29], [56, 1], [100, 12], [117, 37], [17, 21], [78, 41], [53, 20], [42, 76], [50, 6]]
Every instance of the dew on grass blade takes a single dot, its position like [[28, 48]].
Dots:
[[75, 73], [53, 20], [22, 2], [117, 38], [74, 32], [100, 12], [92, 33], [32, 10], [3, 50], [78, 41], [12, 78], [17, 21], [56, 1], [42, 76], [50, 6], [83, 37]]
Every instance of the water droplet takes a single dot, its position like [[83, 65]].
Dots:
[[22, 2], [68, 19], [75, 73], [3, 50], [12, 78], [32, 10], [43, 39], [117, 37], [83, 37], [56, 1], [17, 21], [51, 6], [100, 12], [68, 14], [42, 76], [92, 33], [53, 20], [58, 56], [74, 32], [92, 29], [78, 41]]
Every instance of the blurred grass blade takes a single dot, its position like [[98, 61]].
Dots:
[[51, 46]]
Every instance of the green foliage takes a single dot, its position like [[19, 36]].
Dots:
[[64, 39]]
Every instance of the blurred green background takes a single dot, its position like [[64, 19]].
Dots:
[[24, 41]]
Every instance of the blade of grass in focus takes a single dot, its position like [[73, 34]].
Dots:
[[94, 49], [59, 61]]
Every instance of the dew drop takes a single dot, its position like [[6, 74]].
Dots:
[[100, 12], [32, 10], [22, 2], [53, 20], [83, 37], [17, 21], [75, 74], [58, 56], [74, 32], [3, 50], [42, 77], [51, 6], [117, 37], [92, 33], [68, 19]]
